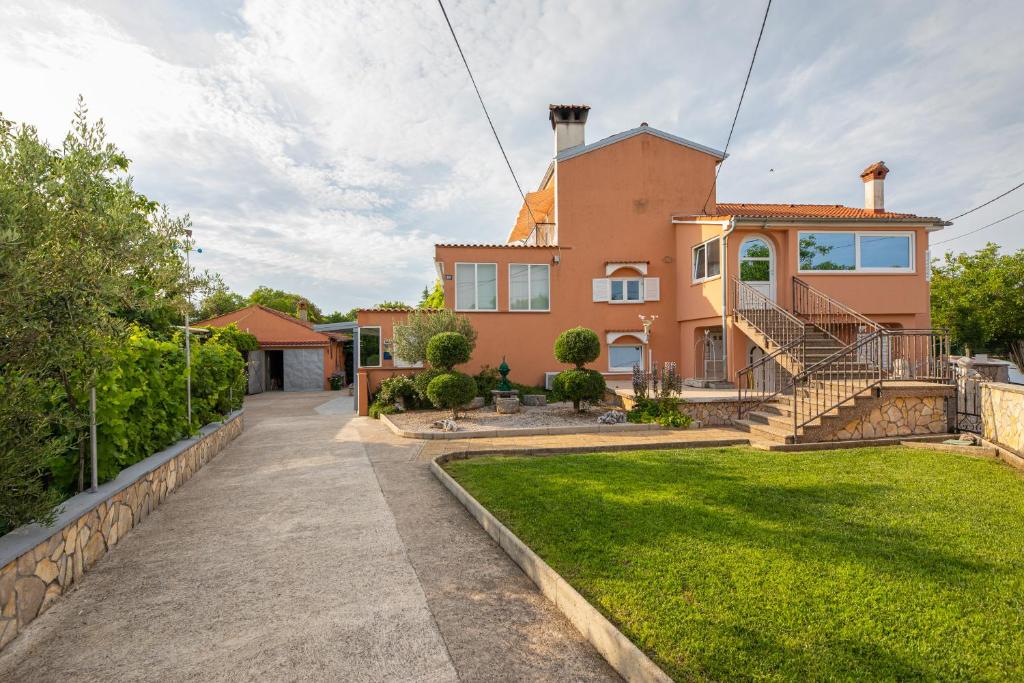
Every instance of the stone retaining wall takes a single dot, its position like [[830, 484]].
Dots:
[[711, 412], [896, 416], [1002, 415], [41, 563]]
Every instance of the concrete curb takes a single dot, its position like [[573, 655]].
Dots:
[[524, 431], [619, 651]]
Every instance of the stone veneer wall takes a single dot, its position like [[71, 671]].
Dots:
[[895, 415], [1002, 415], [41, 563], [715, 412]]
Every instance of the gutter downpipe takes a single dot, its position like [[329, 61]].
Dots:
[[725, 295]]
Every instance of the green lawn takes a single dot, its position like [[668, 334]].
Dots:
[[731, 563]]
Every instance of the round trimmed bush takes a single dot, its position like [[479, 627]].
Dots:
[[579, 385], [577, 346], [448, 349], [451, 390]]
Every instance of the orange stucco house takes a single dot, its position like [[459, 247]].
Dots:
[[630, 226]]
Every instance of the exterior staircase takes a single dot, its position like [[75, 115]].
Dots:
[[824, 364]]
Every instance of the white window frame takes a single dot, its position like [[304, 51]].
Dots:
[[616, 368], [693, 261], [857, 268], [625, 290], [476, 287], [529, 288], [380, 346]]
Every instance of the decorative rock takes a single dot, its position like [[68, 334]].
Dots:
[[475, 404], [46, 570], [506, 406], [612, 417], [31, 591], [535, 400], [446, 425], [8, 629], [93, 550]]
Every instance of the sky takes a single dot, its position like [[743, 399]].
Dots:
[[324, 147]]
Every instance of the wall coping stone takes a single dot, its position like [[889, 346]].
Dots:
[[23, 539], [1003, 386]]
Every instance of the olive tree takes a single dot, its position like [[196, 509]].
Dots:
[[412, 336]]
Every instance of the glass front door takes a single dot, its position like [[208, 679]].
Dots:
[[757, 266]]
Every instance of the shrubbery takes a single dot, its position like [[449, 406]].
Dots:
[[664, 411], [578, 347], [448, 349], [412, 336], [578, 386], [451, 390]]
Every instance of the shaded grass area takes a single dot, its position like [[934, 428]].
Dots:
[[736, 564]]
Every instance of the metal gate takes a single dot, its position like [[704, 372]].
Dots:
[[968, 402]]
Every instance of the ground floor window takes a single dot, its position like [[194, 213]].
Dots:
[[622, 357], [369, 347]]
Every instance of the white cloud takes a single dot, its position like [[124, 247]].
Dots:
[[327, 145]]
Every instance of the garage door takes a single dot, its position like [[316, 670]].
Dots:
[[303, 369]]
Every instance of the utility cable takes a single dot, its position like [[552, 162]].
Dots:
[[1004, 218]]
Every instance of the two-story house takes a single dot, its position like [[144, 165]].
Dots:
[[630, 226]]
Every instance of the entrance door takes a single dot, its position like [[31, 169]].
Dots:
[[757, 265], [766, 377]]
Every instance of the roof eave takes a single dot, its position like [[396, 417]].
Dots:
[[574, 152]]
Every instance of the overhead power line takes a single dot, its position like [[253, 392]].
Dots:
[[1004, 218], [981, 206], [739, 104], [484, 107]]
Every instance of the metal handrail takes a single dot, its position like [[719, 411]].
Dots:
[[781, 379], [765, 315], [832, 317]]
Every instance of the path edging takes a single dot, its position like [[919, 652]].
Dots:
[[520, 431], [618, 650], [39, 563]]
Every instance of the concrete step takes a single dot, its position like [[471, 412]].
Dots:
[[765, 432]]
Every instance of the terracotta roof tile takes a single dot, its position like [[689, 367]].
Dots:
[[502, 246], [270, 327], [809, 211]]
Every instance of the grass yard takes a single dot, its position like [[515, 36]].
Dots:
[[731, 563]]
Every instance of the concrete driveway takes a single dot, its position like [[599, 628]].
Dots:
[[315, 547]]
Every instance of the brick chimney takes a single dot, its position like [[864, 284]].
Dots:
[[303, 307], [874, 180], [568, 120]]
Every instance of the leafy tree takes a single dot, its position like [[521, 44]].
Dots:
[[979, 299], [412, 336], [433, 298], [393, 306], [218, 299], [82, 254], [339, 317], [234, 337], [286, 302]]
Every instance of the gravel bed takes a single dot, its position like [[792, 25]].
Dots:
[[551, 415]]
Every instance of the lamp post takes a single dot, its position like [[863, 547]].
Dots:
[[647, 323], [188, 346]]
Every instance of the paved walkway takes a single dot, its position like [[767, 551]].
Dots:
[[316, 547]]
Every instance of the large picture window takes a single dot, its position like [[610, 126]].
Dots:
[[857, 251], [622, 357], [707, 260], [476, 286], [369, 347], [529, 287]]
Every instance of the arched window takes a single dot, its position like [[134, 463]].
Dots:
[[755, 261]]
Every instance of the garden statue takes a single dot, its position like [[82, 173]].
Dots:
[[503, 370]]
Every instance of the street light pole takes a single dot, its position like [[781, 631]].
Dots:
[[188, 348]]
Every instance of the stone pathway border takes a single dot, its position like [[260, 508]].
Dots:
[[39, 563], [520, 431], [619, 651]]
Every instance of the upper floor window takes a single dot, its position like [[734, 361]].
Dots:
[[857, 251], [476, 286], [627, 290], [707, 260], [529, 287]]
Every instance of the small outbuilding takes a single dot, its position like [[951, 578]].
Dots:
[[292, 355]]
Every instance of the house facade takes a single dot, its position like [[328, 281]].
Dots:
[[292, 356], [628, 229]]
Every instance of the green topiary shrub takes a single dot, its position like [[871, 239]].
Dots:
[[451, 390], [448, 349], [578, 386], [578, 347], [421, 381]]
